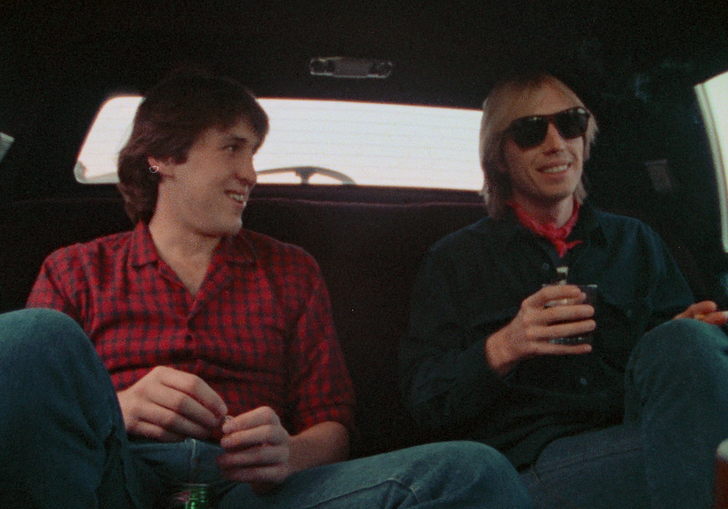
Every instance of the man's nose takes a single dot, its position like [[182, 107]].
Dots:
[[246, 170], [553, 140]]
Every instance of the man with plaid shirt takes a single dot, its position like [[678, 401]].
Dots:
[[218, 341]]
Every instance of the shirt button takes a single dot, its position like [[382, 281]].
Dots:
[[583, 381], [545, 266]]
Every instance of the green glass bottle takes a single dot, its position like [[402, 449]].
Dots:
[[192, 496]]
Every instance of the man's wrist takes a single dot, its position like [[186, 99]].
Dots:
[[496, 355]]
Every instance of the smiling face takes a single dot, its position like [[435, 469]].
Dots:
[[544, 178], [205, 195]]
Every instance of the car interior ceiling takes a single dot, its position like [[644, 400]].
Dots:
[[634, 63]]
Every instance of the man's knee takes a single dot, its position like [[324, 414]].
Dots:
[[478, 470], [475, 454], [36, 333], [678, 353], [39, 349], [682, 340]]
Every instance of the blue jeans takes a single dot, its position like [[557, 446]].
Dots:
[[442, 475], [63, 444], [676, 414]]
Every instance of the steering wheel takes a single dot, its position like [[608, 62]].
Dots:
[[306, 172]]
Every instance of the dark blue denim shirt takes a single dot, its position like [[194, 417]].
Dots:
[[472, 284]]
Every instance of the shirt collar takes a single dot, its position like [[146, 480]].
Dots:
[[237, 248], [233, 249], [588, 226], [142, 250]]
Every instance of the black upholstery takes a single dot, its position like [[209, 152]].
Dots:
[[369, 255]]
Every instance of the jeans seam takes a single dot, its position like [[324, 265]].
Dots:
[[583, 459], [396, 482], [193, 461], [565, 465]]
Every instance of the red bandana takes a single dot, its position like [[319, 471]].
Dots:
[[557, 236]]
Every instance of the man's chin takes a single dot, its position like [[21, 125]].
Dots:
[[225, 230], [234, 230], [552, 199]]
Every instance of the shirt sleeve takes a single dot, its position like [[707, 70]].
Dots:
[[320, 387], [444, 376], [57, 277], [672, 294]]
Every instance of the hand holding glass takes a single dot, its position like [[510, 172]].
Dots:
[[591, 296]]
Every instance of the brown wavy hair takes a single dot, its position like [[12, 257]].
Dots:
[[171, 117]]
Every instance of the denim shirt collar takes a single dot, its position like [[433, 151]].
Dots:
[[588, 227]]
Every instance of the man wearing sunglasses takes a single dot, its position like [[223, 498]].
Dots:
[[632, 417]]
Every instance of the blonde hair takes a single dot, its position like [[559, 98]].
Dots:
[[507, 101]]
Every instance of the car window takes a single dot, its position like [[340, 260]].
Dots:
[[5, 141], [328, 142], [713, 100]]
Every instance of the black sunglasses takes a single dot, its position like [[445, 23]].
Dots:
[[529, 132]]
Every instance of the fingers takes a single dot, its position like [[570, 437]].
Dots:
[[256, 448], [254, 428], [154, 431], [566, 330], [555, 311], [179, 413], [170, 405], [552, 295], [698, 310], [190, 396], [562, 314], [706, 311], [719, 318]]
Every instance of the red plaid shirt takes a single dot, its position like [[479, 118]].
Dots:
[[259, 330]]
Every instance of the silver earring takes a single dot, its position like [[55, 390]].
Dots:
[[154, 170]]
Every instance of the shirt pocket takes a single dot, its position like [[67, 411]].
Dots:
[[621, 322]]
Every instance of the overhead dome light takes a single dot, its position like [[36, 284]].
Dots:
[[353, 68]]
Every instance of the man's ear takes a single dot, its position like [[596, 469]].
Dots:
[[501, 166], [158, 166]]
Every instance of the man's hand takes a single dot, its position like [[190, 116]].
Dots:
[[171, 405], [259, 451], [529, 332], [706, 311]]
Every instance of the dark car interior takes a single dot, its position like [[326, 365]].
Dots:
[[634, 63]]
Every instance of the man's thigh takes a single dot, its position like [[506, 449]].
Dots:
[[451, 475], [166, 469], [600, 469]]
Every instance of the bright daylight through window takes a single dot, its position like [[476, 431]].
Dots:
[[367, 143], [5, 141], [713, 99]]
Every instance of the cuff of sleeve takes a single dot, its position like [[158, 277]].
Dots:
[[487, 384]]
